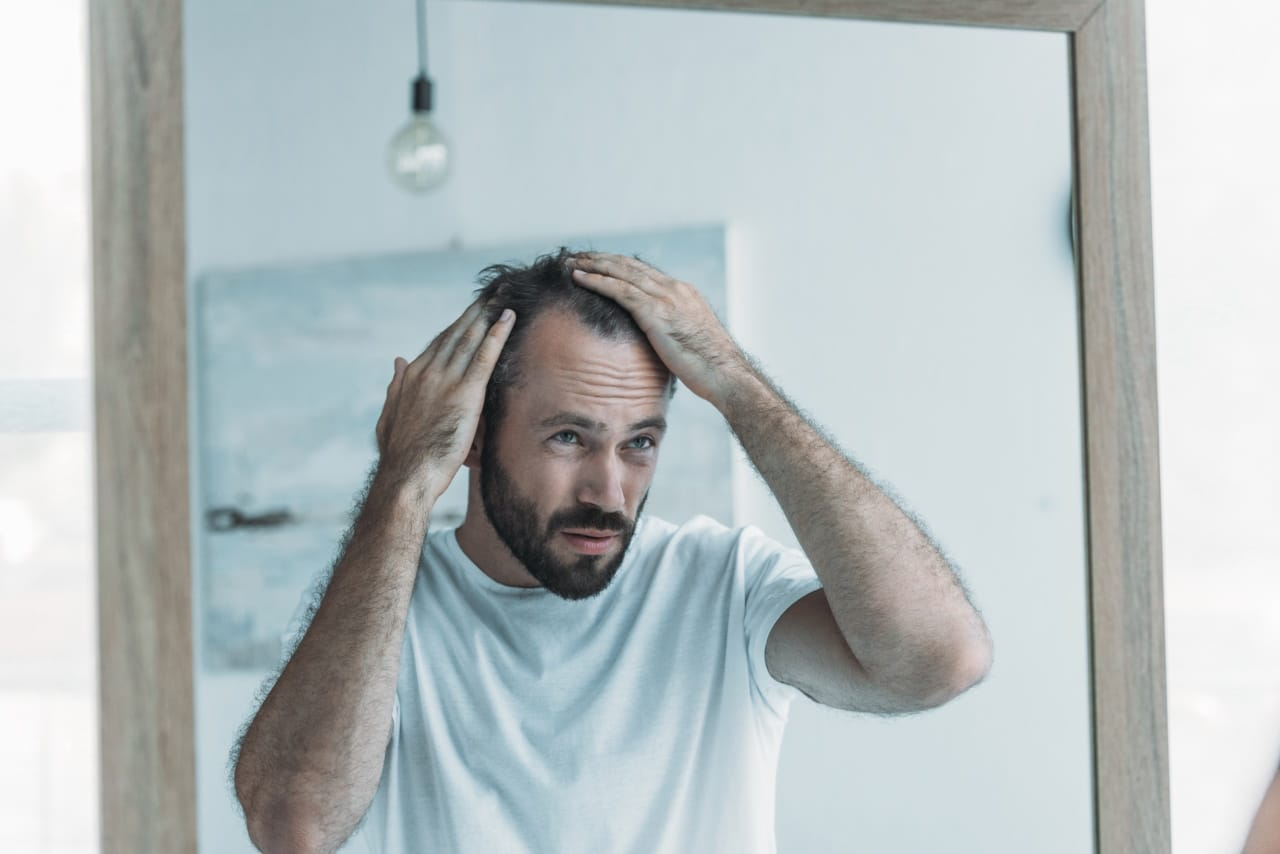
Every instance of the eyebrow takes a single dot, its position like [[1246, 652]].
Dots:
[[654, 422]]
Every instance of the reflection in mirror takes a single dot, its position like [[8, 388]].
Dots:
[[878, 212]]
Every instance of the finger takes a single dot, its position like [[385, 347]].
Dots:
[[603, 262], [608, 257], [620, 266], [442, 345], [641, 279], [467, 341], [621, 291], [480, 368], [397, 380], [388, 405], [464, 329]]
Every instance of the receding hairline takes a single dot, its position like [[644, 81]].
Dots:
[[623, 335]]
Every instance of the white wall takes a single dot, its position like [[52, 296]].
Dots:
[[897, 203], [1215, 128]]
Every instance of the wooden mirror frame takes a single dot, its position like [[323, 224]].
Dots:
[[147, 726]]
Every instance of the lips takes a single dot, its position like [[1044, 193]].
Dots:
[[589, 532], [587, 541]]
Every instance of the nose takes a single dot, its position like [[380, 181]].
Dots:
[[601, 483]]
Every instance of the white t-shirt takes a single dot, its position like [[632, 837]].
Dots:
[[640, 720]]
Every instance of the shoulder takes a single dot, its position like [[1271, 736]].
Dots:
[[441, 560], [438, 547], [705, 537], [439, 538], [699, 531]]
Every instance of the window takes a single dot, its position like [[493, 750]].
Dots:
[[48, 614]]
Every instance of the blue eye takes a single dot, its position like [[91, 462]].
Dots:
[[571, 440], [648, 440]]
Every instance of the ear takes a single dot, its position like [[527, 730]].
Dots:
[[473, 454]]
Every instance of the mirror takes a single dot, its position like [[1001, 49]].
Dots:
[[894, 203]]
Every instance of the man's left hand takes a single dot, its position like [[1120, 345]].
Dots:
[[680, 325]]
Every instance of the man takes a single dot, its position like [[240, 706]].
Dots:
[[1264, 832], [561, 673]]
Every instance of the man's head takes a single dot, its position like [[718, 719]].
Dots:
[[573, 417], [545, 286]]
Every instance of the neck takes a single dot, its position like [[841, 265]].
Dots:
[[481, 543]]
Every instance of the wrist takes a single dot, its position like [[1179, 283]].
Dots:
[[741, 394], [404, 496]]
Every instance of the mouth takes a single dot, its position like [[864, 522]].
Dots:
[[589, 541]]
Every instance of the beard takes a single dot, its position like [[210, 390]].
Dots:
[[515, 519]]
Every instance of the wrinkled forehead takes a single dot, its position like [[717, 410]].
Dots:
[[567, 366]]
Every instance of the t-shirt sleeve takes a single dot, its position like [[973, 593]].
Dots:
[[776, 577]]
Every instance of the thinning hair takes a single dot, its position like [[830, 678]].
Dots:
[[530, 291]]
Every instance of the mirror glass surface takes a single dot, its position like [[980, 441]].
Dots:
[[893, 202]]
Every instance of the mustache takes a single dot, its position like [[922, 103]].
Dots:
[[589, 517]]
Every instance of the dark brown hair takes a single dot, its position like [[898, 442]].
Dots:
[[545, 285]]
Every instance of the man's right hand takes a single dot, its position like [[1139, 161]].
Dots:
[[433, 404]]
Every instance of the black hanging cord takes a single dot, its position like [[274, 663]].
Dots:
[[420, 98], [422, 37]]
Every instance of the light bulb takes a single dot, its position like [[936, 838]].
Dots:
[[418, 155]]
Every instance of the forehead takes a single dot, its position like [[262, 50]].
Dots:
[[567, 367]]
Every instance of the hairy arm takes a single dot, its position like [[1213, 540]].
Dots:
[[312, 758], [896, 601], [310, 762]]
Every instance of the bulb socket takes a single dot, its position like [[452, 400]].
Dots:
[[420, 97]]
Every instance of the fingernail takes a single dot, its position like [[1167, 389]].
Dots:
[[506, 315]]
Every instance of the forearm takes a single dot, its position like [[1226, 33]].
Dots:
[[897, 602], [312, 758]]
